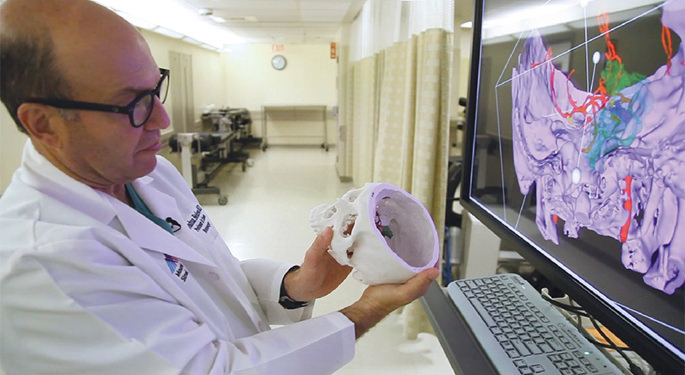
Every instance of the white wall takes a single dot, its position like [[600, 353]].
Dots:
[[309, 78]]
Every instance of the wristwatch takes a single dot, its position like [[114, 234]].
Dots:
[[285, 300]]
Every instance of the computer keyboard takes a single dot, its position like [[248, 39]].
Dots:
[[521, 333]]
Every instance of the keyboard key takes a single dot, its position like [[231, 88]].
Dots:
[[522, 349], [513, 353], [525, 371], [519, 363], [546, 348], [537, 368], [483, 314], [578, 371], [532, 347], [555, 345]]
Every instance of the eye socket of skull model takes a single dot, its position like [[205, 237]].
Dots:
[[382, 231]]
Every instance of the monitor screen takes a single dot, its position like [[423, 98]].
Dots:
[[575, 153]]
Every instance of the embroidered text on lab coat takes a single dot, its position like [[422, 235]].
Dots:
[[197, 220]]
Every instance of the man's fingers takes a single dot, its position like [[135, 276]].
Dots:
[[431, 273], [323, 240], [424, 277], [417, 285]]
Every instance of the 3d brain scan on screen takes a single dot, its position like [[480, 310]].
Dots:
[[611, 157]]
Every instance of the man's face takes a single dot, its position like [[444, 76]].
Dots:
[[103, 148]]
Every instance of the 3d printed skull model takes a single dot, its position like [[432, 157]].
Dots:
[[381, 231]]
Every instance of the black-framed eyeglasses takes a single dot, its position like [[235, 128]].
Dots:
[[139, 109]]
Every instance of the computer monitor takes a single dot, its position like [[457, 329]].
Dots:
[[575, 155]]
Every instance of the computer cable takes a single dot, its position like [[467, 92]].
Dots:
[[580, 312]]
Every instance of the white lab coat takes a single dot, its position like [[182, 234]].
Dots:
[[90, 286]]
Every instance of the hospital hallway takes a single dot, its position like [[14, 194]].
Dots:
[[267, 216]]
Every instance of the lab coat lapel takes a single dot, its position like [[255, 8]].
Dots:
[[163, 206], [166, 207], [150, 236], [142, 231]]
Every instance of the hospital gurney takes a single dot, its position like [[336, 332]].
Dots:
[[215, 150]]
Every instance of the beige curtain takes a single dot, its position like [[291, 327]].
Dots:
[[413, 129], [395, 147], [364, 115], [400, 127]]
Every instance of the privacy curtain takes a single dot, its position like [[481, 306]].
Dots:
[[411, 148], [364, 115], [399, 131], [413, 129]]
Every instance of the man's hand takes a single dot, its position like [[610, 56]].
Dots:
[[319, 274], [380, 300]]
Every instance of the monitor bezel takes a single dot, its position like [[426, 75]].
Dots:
[[657, 354]]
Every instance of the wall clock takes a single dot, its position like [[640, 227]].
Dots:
[[279, 62]]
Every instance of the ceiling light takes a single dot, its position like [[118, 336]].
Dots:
[[173, 18], [217, 19], [168, 32], [466, 25]]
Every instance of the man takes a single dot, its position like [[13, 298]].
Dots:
[[108, 265]]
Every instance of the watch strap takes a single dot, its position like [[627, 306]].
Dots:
[[284, 299]]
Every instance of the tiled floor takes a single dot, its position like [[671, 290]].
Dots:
[[267, 216]]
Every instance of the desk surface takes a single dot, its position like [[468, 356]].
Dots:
[[459, 344]]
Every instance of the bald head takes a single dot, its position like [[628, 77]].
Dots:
[[64, 49]]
